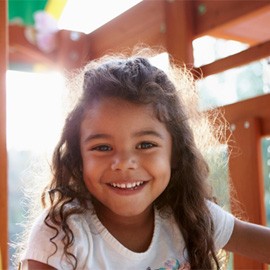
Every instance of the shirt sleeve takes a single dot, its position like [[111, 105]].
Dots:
[[40, 248], [223, 225]]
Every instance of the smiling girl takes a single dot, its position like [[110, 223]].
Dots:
[[130, 183]]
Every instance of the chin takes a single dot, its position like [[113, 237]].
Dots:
[[132, 212]]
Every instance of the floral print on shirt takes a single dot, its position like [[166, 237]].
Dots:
[[173, 264]]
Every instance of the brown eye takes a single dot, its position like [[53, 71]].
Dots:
[[102, 148], [146, 145]]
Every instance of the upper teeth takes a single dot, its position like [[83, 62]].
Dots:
[[127, 185]]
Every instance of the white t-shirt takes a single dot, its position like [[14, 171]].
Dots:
[[95, 248]]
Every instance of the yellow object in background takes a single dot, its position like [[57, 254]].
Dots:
[[55, 8]]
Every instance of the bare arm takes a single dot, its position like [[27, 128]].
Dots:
[[250, 240], [34, 265]]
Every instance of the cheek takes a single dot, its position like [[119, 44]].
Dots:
[[93, 169], [87, 178], [89, 171], [88, 161], [91, 180], [161, 166]]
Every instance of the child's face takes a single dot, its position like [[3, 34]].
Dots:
[[126, 153]]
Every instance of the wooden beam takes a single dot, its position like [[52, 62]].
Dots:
[[239, 59], [252, 29], [21, 50], [212, 15], [143, 23], [135, 26], [26, 55], [72, 50], [3, 151], [179, 30], [257, 107]]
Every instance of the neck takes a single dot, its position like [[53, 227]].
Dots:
[[106, 216], [134, 232]]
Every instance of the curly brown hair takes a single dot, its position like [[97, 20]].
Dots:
[[173, 97]]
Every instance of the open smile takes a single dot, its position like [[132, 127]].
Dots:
[[130, 185]]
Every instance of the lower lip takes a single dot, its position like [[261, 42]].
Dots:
[[128, 191]]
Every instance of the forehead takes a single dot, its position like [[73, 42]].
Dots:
[[115, 107], [118, 114]]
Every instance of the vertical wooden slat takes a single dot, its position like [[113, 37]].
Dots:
[[72, 50], [246, 173], [3, 152], [179, 30]]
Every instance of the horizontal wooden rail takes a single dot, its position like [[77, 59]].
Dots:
[[257, 107], [212, 16], [239, 59]]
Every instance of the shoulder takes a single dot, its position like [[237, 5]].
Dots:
[[220, 215], [44, 222], [46, 240], [223, 222]]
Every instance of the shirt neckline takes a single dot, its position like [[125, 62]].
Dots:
[[120, 248]]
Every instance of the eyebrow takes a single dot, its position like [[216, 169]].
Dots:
[[148, 132], [97, 136], [135, 134]]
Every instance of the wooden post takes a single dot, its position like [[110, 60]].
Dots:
[[3, 152], [179, 30], [246, 173]]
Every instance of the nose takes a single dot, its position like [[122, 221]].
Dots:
[[124, 161]]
